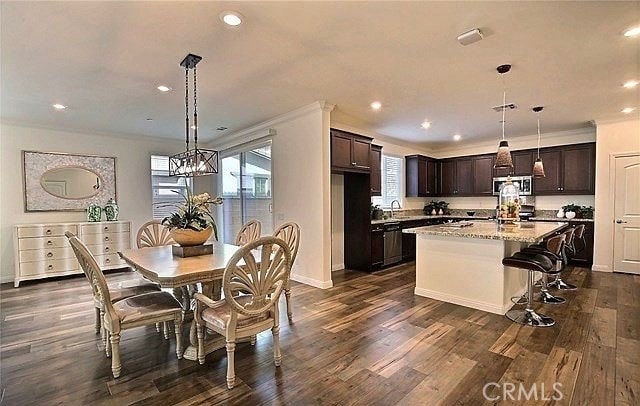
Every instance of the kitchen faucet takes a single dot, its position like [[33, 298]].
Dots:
[[399, 207]]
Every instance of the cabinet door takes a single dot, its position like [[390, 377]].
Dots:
[[377, 247], [376, 170], [578, 169], [522, 162], [340, 151], [430, 181], [483, 175], [552, 183], [361, 154], [464, 176], [448, 177]]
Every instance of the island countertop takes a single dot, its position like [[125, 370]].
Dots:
[[528, 232]]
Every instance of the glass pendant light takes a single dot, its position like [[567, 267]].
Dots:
[[195, 161], [503, 159], [538, 168]]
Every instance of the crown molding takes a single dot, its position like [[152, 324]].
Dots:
[[604, 121], [380, 137]]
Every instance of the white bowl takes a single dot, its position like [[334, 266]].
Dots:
[[570, 214]]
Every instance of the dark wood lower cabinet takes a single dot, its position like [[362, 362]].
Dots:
[[377, 245], [584, 251]]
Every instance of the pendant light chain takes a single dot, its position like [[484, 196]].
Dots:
[[538, 137], [186, 105], [195, 107], [504, 102]]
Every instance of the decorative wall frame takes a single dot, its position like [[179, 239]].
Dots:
[[35, 164]]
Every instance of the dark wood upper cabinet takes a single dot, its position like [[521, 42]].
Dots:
[[448, 177], [350, 152], [420, 176], [522, 164], [483, 175], [551, 183], [464, 176], [376, 170], [578, 169]]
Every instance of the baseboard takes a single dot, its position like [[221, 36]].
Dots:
[[462, 301], [6, 279], [600, 268], [312, 282], [337, 267]]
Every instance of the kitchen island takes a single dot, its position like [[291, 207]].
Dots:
[[463, 265]]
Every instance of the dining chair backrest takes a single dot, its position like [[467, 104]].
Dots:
[[290, 233], [153, 234], [264, 280], [249, 232], [554, 244], [92, 271]]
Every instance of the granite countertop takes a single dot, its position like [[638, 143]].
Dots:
[[423, 217], [562, 219], [529, 232]]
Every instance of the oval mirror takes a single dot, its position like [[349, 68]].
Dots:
[[71, 182]]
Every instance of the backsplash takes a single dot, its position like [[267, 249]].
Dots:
[[463, 212]]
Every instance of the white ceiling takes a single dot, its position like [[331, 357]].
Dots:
[[104, 60]]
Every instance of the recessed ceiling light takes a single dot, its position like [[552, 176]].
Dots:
[[628, 110], [632, 32], [630, 84], [164, 88], [231, 18], [376, 105], [149, 119], [457, 137], [425, 124], [59, 106], [221, 128]]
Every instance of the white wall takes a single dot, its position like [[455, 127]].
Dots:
[[337, 222], [133, 176], [301, 183], [612, 138]]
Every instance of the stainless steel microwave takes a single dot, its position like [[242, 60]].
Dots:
[[523, 183]]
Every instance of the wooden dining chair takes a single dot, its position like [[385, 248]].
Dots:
[[249, 232], [290, 233], [153, 234], [122, 291], [134, 311], [245, 315]]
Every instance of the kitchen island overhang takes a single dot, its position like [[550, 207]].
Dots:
[[464, 265]]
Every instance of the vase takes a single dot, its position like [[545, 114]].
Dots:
[[560, 214], [94, 213], [188, 238], [111, 210], [440, 212], [433, 212], [570, 214]]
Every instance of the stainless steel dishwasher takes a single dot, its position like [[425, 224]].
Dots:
[[392, 244]]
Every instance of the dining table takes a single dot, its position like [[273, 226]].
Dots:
[[159, 265]]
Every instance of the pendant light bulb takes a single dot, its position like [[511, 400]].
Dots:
[[503, 158], [538, 167]]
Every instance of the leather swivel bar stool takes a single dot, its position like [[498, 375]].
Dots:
[[552, 250], [569, 251], [535, 263]]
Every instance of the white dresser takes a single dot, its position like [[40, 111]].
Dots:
[[43, 251]]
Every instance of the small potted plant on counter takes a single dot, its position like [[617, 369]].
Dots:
[[586, 212], [436, 207], [376, 212], [571, 210]]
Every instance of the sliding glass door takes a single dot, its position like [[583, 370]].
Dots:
[[246, 190]]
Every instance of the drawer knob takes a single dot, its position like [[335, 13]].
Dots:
[[48, 232], [50, 267], [106, 249], [107, 260], [49, 242], [106, 228], [49, 254], [106, 238]]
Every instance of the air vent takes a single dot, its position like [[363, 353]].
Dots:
[[508, 106], [221, 128]]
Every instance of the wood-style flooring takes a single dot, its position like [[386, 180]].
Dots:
[[366, 341]]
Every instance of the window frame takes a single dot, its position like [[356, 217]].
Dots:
[[177, 200], [380, 200]]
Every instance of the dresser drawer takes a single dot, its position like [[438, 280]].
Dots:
[[110, 238], [42, 243], [107, 248], [47, 230], [109, 260], [51, 266], [46, 255], [105, 228]]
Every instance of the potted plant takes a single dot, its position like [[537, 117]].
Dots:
[[586, 212], [436, 207], [376, 212], [571, 210], [192, 223]]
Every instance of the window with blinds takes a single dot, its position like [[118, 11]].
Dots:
[[164, 199], [391, 181]]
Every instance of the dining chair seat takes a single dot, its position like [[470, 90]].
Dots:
[[121, 292], [145, 306], [220, 313]]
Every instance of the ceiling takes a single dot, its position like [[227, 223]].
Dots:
[[105, 59]]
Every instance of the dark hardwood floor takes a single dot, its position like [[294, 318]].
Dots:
[[368, 340]]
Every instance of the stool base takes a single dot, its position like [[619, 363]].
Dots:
[[561, 285], [529, 318], [547, 298]]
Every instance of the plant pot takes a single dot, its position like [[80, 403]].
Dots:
[[189, 238], [570, 214]]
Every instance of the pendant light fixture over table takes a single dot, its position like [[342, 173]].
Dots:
[[195, 161], [503, 158], [538, 168]]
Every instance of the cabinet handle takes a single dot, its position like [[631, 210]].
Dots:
[[49, 242], [48, 232], [50, 267], [353, 164], [49, 254], [621, 221]]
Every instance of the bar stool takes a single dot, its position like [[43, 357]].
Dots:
[[553, 247], [567, 252], [537, 263]]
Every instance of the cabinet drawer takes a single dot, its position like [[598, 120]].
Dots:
[[51, 266], [111, 238], [42, 243], [100, 228], [46, 230], [109, 260], [46, 254], [106, 248]]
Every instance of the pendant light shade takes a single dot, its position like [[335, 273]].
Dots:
[[503, 158], [538, 167], [195, 161]]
